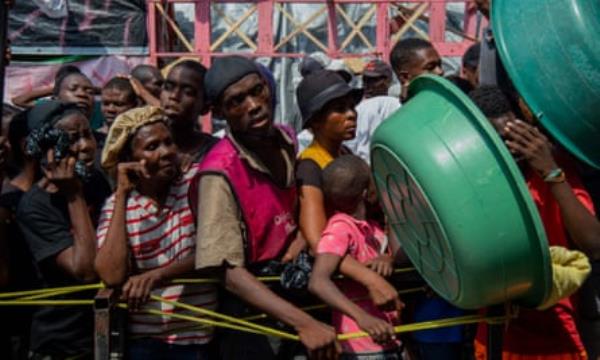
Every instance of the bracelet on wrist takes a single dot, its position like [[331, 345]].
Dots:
[[556, 176]]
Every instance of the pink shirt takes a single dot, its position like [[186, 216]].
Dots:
[[363, 241]]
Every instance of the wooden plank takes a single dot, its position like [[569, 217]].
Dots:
[[175, 28], [356, 28], [409, 23], [301, 28], [234, 27]]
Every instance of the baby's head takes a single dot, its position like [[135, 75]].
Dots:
[[345, 183]]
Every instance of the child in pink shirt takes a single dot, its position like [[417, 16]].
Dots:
[[345, 186]]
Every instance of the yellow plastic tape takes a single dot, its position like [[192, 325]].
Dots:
[[266, 330], [76, 288], [45, 302]]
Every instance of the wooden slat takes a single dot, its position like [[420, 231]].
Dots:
[[301, 28], [175, 28], [357, 28], [410, 23], [234, 27]]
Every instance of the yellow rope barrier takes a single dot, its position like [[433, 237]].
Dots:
[[33, 294], [323, 306], [243, 324], [47, 290], [198, 320], [54, 293], [45, 302], [306, 308], [427, 325], [39, 297], [265, 329], [266, 278], [435, 324]]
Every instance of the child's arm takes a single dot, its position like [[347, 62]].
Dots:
[[142, 92], [383, 265], [322, 286], [27, 100]]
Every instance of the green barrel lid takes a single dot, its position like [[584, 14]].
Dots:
[[457, 202], [551, 51]]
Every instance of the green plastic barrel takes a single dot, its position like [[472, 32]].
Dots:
[[551, 51], [457, 202]]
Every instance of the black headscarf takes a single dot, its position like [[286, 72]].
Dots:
[[43, 136]]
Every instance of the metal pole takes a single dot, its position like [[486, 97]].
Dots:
[[109, 326], [4, 5], [495, 335]]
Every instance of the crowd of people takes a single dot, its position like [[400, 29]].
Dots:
[[129, 190]]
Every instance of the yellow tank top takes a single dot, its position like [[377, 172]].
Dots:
[[318, 154]]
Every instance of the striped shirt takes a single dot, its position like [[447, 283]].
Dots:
[[157, 238]]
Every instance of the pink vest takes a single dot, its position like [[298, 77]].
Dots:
[[267, 210]]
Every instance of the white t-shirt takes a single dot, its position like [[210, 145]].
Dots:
[[371, 112]]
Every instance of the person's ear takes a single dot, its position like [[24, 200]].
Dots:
[[404, 77]]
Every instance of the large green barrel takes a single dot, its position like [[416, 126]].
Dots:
[[457, 202], [551, 51]]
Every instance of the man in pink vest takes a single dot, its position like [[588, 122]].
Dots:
[[246, 198]]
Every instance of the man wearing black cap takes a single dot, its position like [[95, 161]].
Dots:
[[246, 196], [375, 107], [377, 78]]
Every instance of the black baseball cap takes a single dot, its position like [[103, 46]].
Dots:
[[319, 88], [377, 68]]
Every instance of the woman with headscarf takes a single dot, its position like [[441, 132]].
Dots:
[[146, 236], [57, 219]]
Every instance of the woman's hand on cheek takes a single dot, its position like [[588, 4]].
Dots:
[[61, 173], [129, 173]]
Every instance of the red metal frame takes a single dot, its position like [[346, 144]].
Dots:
[[265, 40], [160, 43]]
